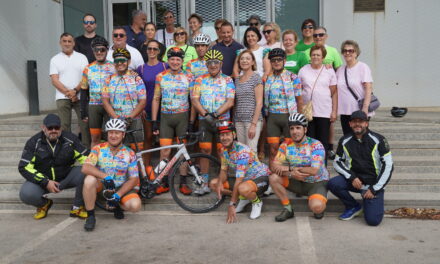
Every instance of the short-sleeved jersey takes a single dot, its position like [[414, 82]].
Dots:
[[93, 79], [280, 92], [213, 92], [120, 167], [310, 153], [244, 160], [173, 89], [124, 92], [197, 68]]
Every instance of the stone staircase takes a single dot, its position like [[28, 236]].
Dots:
[[415, 144]]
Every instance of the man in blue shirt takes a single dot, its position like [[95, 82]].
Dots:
[[228, 47], [135, 32]]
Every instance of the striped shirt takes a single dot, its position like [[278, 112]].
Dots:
[[245, 98]]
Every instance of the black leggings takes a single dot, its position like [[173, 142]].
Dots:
[[319, 129], [345, 123]]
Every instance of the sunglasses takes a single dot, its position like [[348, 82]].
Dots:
[[166, 17], [319, 35], [179, 34], [349, 51], [276, 60], [53, 128], [120, 60], [267, 31], [253, 24], [118, 35], [97, 50], [213, 62], [89, 22], [152, 49], [308, 27]]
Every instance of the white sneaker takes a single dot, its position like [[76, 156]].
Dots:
[[206, 188], [256, 210], [241, 205], [269, 191]]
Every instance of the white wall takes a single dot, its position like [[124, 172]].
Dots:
[[399, 45], [30, 30]]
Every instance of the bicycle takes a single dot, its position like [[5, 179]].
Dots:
[[192, 203]]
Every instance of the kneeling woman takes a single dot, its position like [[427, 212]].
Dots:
[[252, 176]]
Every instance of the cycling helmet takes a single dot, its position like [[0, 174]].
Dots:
[[121, 53], [225, 126], [297, 119], [99, 41], [115, 124], [213, 55], [201, 39], [399, 111], [277, 52], [175, 52]]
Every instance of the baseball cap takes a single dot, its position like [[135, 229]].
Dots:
[[359, 115], [52, 120]]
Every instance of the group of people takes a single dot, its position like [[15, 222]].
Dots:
[[169, 82]]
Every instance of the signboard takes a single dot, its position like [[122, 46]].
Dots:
[[369, 5]]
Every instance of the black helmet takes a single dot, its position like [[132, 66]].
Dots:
[[399, 111], [277, 52], [175, 52], [99, 41]]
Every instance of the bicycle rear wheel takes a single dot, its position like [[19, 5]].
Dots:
[[195, 203]]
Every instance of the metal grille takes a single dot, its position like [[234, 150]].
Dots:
[[246, 8], [210, 11], [161, 6]]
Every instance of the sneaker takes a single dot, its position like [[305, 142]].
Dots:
[[351, 213], [318, 216], [42, 211], [184, 189], [285, 214], [269, 191], [241, 205], [331, 154], [162, 189], [206, 188], [80, 212], [256, 210], [118, 213], [90, 223]]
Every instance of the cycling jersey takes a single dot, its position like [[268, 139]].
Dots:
[[244, 160], [280, 91], [213, 92], [93, 79], [124, 92], [197, 68], [173, 89], [120, 167], [310, 153]]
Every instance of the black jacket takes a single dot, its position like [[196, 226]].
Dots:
[[39, 164], [368, 159]]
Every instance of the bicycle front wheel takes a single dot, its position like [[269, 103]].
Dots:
[[201, 199]]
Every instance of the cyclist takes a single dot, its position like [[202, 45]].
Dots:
[[111, 164], [212, 97], [124, 95], [172, 93], [299, 167], [251, 176], [92, 82]]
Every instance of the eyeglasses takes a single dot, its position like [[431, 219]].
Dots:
[[319, 35], [152, 49], [97, 50], [53, 128], [254, 24], [120, 60], [349, 51], [276, 59], [308, 27], [213, 62], [118, 35], [267, 31], [170, 16], [89, 22], [179, 34]]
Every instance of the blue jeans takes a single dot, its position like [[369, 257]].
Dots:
[[373, 208]]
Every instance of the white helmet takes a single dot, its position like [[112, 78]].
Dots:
[[201, 39], [115, 124], [297, 119]]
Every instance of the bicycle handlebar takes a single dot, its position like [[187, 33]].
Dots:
[[195, 136]]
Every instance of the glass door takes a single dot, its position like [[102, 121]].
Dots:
[[119, 12]]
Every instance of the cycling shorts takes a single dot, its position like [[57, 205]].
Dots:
[[312, 190], [173, 125], [277, 127], [97, 117]]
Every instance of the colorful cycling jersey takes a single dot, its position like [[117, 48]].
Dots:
[[244, 160], [173, 89], [124, 92], [310, 153], [280, 91], [120, 167], [197, 68], [213, 92], [93, 78]]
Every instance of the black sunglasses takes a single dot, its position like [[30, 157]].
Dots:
[[268, 31], [120, 35], [53, 128], [319, 35], [179, 33], [253, 24], [308, 27], [99, 50]]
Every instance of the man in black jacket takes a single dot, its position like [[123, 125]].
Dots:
[[364, 162], [47, 164]]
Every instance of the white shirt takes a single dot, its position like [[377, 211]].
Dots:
[[69, 70], [168, 36], [136, 57]]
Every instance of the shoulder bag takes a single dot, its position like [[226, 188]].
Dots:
[[307, 109], [374, 102]]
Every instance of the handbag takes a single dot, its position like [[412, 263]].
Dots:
[[307, 109], [374, 102]]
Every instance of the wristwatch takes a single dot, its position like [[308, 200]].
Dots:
[[232, 204]]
